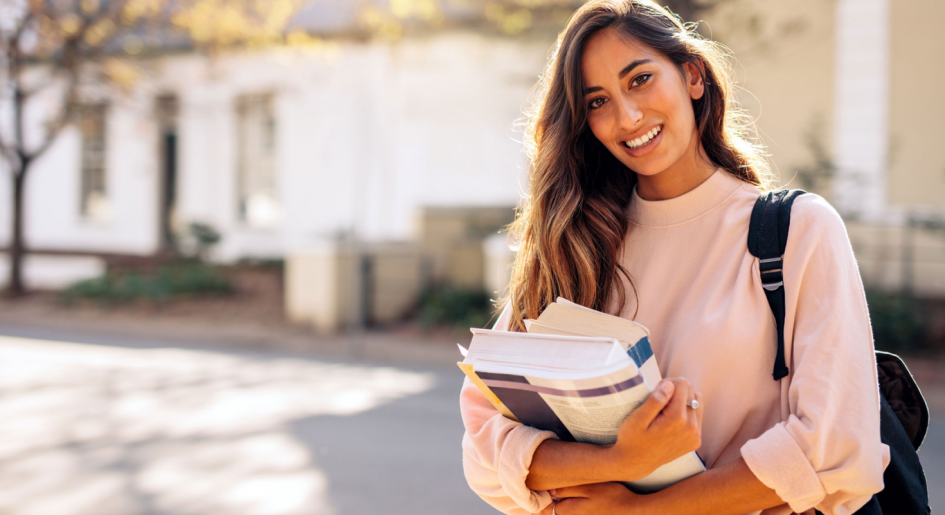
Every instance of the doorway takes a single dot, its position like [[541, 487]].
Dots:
[[167, 111]]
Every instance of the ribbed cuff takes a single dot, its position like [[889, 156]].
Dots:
[[516, 457], [779, 463]]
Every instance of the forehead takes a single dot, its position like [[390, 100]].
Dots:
[[607, 52]]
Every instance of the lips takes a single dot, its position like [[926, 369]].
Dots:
[[643, 145], [642, 140]]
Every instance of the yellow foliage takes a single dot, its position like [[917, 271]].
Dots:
[[511, 22], [133, 45], [516, 22], [494, 11], [136, 10], [423, 9], [256, 23], [120, 72], [69, 24], [371, 17], [98, 32], [253, 23], [89, 6], [391, 31]]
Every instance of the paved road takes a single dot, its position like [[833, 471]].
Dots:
[[103, 425], [106, 429]]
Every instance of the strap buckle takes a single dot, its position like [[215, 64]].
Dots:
[[771, 277]]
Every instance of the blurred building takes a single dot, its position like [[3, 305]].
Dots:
[[845, 96], [282, 148], [285, 149]]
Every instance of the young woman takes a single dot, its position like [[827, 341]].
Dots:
[[642, 183]]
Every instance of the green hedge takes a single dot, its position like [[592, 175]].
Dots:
[[165, 282], [456, 307], [900, 322]]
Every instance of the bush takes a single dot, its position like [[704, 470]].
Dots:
[[455, 307], [187, 278], [900, 322], [196, 240]]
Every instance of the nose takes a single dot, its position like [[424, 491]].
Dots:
[[629, 115]]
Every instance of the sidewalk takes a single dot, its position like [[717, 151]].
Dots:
[[405, 345], [167, 416]]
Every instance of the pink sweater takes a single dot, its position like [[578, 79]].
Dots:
[[813, 437]]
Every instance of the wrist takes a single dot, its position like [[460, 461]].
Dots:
[[622, 465]]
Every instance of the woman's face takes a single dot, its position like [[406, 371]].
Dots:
[[639, 104]]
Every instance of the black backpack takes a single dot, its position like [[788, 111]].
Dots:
[[904, 416]]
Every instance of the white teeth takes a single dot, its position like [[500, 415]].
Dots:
[[642, 140]]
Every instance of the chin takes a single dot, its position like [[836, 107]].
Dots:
[[649, 166]]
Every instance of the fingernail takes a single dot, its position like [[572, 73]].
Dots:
[[553, 492], [660, 392]]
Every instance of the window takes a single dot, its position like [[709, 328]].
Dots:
[[258, 201], [94, 201]]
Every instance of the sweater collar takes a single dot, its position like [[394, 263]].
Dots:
[[688, 206]]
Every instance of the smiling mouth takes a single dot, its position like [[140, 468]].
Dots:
[[643, 140]]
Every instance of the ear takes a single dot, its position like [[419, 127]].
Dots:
[[694, 82]]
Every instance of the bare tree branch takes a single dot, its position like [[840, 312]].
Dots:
[[70, 65], [61, 122]]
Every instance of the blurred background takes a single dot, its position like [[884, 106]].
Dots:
[[239, 239]]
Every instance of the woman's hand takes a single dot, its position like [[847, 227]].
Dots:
[[601, 498], [657, 432], [662, 429]]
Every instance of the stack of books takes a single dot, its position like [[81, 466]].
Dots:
[[577, 372]]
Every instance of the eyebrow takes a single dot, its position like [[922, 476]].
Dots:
[[623, 73]]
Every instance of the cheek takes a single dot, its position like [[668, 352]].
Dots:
[[679, 111], [600, 125]]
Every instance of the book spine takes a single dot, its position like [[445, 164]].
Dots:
[[525, 401], [489, 394]]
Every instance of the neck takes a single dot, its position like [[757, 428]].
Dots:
[[682, 176]]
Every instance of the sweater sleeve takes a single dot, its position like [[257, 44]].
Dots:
[[826, 453], [497, 451]]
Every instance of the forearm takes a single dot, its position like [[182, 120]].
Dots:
[[658, 431], [730, 489], [558, 464]]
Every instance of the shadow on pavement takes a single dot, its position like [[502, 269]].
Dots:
[[402, 458]]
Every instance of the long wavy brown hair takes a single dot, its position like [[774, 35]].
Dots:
[[571, 227]]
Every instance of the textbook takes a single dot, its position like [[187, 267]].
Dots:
[[577, 372]]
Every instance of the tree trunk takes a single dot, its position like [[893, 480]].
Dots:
[[15, 286]]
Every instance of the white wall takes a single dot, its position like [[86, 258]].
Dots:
[[366, 134], [861, 109]]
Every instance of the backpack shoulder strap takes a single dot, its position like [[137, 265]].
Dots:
[[767, 238]]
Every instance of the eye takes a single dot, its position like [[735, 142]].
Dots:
[[641, 79], [596, 103]]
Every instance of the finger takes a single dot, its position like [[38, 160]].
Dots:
[[677, 405], [700, 413], [694, 421], [692, 414], [571, 491], [654, 404]]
